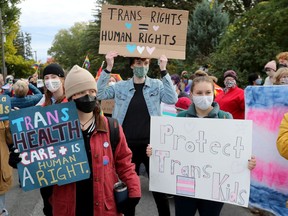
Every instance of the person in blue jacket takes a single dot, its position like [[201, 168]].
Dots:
[[136, 100]]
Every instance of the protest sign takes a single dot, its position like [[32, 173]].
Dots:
[[201, 158], [51, 145], [5, 107], [107, 106], [266, 106], [135, 31]]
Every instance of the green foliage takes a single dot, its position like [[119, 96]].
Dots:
[[68, 47], [207, 23], [253, 40], [14, 59]]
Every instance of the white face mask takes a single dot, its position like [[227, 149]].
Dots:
[[202, 102], [111, 83], [53, 84]]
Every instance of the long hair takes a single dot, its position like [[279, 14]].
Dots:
[[48, 94]]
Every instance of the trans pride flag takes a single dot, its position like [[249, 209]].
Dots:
[[266, 105]]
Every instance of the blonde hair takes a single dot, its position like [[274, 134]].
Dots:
[[20, 88], [279, 74], [282, 55], [202, 79]]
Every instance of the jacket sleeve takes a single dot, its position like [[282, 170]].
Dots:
[[168, 93], [104, 91], [282, 140], [8, 135], [37, 95], [125, 168]]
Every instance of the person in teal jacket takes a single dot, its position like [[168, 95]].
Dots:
[[203, 106]]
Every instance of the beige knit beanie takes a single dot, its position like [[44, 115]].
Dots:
[[78, 80]]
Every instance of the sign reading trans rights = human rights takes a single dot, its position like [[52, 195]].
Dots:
[[51, 145], [136, 31]]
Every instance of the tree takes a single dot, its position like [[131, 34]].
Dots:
[[68, 45], [207, 24], [252, 40], [15, 63]]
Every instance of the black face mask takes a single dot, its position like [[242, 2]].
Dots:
[[86, 103]]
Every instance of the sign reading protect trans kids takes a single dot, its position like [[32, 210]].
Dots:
[[51, 145], [201, 158], [135, 31]]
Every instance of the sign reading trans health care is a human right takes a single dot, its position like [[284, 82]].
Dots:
[[51, 145], [201, 158], [135, 31]]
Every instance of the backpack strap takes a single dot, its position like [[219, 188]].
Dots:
[[114, 132]]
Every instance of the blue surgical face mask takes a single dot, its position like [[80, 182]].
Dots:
[[140, 72], [258, 81]]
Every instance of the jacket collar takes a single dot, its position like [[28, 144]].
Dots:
[[131, 83]]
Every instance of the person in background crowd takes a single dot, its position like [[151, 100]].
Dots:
[[203, 106], [176, 83], [1, 83], [112, 80], [270, 69], [6, 143], [281, 76], [34, 81], [282, 140], [254, 79], [232, 98], [54, 93], [185, 82], [183, 103], [21, 99], [94, 196], [136, 100], [6, 174], [7, 87], [282, 59]]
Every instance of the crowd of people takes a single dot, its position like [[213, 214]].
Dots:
[[193, 96]]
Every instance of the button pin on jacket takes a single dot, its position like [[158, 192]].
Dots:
[[106, 144], [105, 160]]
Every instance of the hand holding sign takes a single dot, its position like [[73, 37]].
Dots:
[[110, 59], [162, 62]]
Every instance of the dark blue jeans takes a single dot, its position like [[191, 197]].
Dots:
[[186, 206]]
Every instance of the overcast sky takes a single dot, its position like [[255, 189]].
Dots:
[[43, 19]]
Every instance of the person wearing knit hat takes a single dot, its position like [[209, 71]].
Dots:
[[183, 103], [77, 80], [270, 69], [53, 78], [55, 69], [232, 98], [106, 165]]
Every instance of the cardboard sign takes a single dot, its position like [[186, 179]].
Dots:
[[266, 106], [201, 158], [107, 106], [5, 107], [51, 145], [136, 31]]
